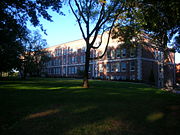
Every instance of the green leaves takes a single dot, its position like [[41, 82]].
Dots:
[[158, 17]]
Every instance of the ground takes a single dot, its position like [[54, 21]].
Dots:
[[63, 107]]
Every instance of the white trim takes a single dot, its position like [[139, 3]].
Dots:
[[139, 62], [105, 61], [139, 69]]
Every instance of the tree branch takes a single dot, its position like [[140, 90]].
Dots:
[[101, 16], [96, 47], [109, 34], [78, 20], [80, 11]]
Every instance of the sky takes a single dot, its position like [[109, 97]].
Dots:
[[64, 29]]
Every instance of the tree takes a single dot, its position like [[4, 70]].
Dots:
[[98, 16], [163, 19], [34, 56], [159, 19], [13, 30]]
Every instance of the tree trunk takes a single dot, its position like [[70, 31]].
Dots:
[[165, 53], [86, 74]]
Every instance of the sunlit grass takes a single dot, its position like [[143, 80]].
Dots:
[[155, 116], [42, 114], [62, 107]]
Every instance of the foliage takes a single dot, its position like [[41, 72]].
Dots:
[[59, 106], [14, 16], [80, 73], [10, 50], [34, 56], [163, 19], [159, 19]]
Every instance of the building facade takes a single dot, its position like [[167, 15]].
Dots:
[[178, 73], [136, 63]]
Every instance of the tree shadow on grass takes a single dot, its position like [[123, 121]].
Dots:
[[105, 108]]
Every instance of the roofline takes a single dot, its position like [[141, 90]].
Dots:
[[64, 43]]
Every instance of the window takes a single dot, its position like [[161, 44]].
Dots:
[[60, 62], [100, 68], [123, 52], [75, 70], [70, 60], [72, 70], [113, 67], [117, 67], [57, 70], [156, 54], [132, 66], [82, 68], [108, 67], [83, 49], [160, 55], [82, 58], [64, 70], [52, 71], [59, 52], [69, 70], [76, 59], [56, 62], [112, 54], [123, 66], [123, 77], [92, 54], [108, 54], [132, 77], [132, 51], [64, 60], [160, 67], [90, 68], [65, 52], [70, 51], [117, 52], [73, 60], [56, 52]]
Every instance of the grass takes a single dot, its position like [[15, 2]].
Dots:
[[62, 107]]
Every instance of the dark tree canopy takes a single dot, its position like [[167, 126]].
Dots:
[[159, 19], [13, 19], [34, 57]]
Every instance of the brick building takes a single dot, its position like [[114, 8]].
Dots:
[[178, 72], [138, 62]]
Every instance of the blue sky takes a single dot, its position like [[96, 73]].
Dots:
[[64, 29]]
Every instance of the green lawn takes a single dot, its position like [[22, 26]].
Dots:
[[62, 107]]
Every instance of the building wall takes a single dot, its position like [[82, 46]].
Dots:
[[178, 73], [139, 63]]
